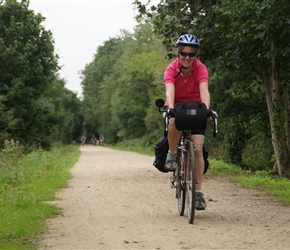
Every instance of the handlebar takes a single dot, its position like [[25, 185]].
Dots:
[[213, 114], [210, 113]]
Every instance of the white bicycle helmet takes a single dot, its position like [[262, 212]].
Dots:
[[189, 40]]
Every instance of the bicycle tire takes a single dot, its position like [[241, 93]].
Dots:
[[190, 182], [180, 187]]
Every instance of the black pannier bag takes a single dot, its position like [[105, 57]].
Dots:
[[190, 116], [161, 149]]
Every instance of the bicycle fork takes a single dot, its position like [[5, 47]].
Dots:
[[178, 181]]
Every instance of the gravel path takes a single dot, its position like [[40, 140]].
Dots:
[[118, 200]]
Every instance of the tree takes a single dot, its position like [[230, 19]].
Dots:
[[61, 117], [27, 68], [262, 44], [116, 98], [99, 84]]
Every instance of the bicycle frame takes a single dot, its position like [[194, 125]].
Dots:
[[182, 149]]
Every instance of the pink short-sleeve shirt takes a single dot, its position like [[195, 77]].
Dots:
[[186, 89]]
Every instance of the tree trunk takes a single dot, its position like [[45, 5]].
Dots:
[[287, 116], [281, 122], [286, 159], [269, 97]]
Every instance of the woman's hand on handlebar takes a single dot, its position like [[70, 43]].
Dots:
[[170, 112], [212, 114]]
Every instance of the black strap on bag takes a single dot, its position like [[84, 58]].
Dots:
[[205, 158]]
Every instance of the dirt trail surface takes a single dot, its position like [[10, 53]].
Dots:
[[118, 200]]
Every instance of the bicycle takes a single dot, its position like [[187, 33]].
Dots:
[[183, 178]]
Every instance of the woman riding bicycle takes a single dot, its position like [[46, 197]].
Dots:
[[186, 79]]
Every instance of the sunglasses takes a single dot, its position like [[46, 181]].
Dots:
[[190, 55]]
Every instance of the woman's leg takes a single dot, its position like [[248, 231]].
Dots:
[[198, 141], [173, 135]]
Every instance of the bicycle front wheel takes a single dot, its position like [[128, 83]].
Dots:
[[190, 182], [180, 185]]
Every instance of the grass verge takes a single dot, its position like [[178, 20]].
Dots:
[[24, 187], [262, 180]]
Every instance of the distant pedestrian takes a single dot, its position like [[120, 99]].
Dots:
[[83, 140], [94, 140]]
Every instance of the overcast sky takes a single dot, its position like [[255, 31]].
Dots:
[[79, 27]]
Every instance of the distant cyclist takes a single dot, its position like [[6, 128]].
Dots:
[[186, 79], [101, 139]]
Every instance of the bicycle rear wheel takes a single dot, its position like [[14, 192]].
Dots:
[[180, 187], [190, 182]]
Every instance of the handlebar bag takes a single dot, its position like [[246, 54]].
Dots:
[[190, 116]]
